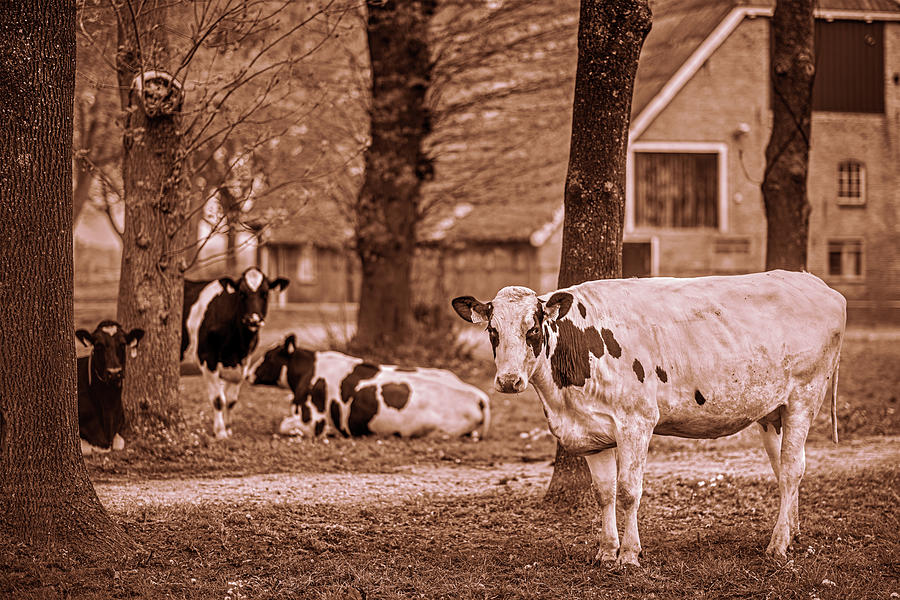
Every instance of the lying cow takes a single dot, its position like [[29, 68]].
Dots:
[[100, 375], [339, 394], [220, 329], [616, 361]]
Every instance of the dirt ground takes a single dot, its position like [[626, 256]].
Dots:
[[414, 482]]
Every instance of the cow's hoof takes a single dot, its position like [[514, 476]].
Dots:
[[774, 552], [222, 435], [118, 443], [605, 556], [627, 559]]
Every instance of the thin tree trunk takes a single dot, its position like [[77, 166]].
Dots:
[[610, 36], [787, 155], [46, 497], [151, 285], [396, 165]]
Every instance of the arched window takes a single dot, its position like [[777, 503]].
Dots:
[[851, 183]]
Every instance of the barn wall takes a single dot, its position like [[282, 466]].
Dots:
[[731, 89], [333, 277]]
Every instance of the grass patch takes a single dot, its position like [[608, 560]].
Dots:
[[499, 544]]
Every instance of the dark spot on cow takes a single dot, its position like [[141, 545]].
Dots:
[[582, 310], [317, 395], [305, 413], [406, 369], [494, 336], [360, 372], [217, 403], [561, 302], [699, 397], [362, 410], [615, 350], [638, 370], [335, 410], [661, 373], [534, 336], [554, 326], [320, 427], [570, 363], [231, 404], [396, 395]]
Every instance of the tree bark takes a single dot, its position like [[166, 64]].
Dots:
[[46, 497], [787, 155], [610, 37], [387, 210], [151, 285]]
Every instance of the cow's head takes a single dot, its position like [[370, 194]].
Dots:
[[272, 367], [108, 349], [515, 323], [253, 295]]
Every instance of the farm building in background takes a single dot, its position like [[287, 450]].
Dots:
[[700, 124]]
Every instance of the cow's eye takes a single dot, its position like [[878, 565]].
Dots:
[[533, 332]]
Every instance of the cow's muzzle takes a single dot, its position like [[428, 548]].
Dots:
[[253, 322], [510, 383], [115, 373]]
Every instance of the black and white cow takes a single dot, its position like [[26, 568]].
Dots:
[[220, 329], [616, 361], [334, 393], [100, 375]]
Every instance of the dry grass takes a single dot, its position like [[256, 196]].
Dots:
[[500, 544]]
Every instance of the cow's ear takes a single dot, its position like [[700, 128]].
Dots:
[[229, 284], [279, 284], [290, 344], [132, 338], [471, 309], [558, 305], [85, 337]]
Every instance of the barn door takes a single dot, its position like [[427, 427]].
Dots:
[[636, 259]]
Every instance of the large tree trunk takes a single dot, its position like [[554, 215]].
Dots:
[[151, 285], [46, 497], [388, 207], [787, 155], [610, 36]]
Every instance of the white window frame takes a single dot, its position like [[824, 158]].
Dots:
[[849, 200], [844, 277], [307, 272], [654, 249], [719, 148]]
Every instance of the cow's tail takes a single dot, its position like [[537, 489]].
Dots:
[[834, 384], [485, 425]]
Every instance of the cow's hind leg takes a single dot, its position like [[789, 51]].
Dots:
[[795, 427], [603, 473], [632, 454]]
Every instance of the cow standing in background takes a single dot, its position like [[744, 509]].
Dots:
[[616, 361], [220, 329], [339, 394], [100, 375]]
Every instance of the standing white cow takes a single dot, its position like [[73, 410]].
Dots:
[[616, 361]]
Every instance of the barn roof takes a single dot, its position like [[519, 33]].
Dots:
[[684, 34], [517, 197]]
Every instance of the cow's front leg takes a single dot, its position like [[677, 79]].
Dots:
[[215, 390], [632, 454], [232, 390], [603, 473]]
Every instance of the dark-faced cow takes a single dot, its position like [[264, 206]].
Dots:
[[616, 361], [337, 394], [219, 331], [100, 375]]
